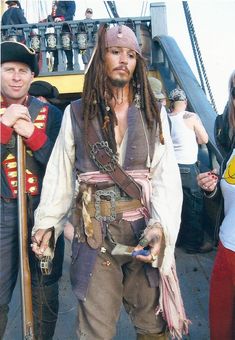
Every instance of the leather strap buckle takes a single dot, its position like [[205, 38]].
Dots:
[[112, 195], [45, 264], [97, 148]]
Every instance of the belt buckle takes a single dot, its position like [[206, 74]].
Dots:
[[106, 193]]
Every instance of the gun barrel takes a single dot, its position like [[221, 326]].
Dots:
[[26, 290]]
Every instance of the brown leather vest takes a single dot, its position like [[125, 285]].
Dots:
[[136, 149]]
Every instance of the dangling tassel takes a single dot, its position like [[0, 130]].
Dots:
[[137, 98], [107, 109], [161, 137], [106, 122], [148, 162]]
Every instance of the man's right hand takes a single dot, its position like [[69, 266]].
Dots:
[[15, 112], [41, 241], [58, 19]]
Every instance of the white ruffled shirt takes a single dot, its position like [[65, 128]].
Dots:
[[59, 185]]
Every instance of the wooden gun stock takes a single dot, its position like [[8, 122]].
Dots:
[[26, 290]]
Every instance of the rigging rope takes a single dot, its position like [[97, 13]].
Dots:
[[144, 8], [197, 54], [107, 9], [113, 8]]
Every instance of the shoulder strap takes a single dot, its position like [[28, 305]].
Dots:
[[34, 108], [106, 162]]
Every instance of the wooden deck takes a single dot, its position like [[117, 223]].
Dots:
[[193, 272]]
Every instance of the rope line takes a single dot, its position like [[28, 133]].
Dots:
[[197, 54]]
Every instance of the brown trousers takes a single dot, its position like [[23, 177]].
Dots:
[[116, 280]]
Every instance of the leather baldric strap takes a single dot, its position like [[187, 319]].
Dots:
[[106, 162]]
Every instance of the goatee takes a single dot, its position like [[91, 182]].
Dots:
[[118, 83]]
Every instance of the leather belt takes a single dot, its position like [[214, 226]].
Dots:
[[104, 210]]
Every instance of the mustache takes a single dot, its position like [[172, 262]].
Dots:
[[122, 68]]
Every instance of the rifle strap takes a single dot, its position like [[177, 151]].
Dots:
[[106, 161]]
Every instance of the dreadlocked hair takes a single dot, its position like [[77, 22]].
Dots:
[[149, 106], [97, 94], [231, 105]]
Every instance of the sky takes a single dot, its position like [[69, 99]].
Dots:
[[213, 22]]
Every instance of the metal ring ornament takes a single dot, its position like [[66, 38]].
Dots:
[[153, 257]]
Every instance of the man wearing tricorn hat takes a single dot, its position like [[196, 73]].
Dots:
[[38, 124], [116, 138], [14, 15]]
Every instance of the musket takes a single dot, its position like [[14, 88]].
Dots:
[[26, 289]]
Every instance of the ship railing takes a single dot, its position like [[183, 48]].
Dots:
[[78, 36]]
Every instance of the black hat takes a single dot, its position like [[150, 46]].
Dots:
[[15, 51], [44, 89], [11, 1]]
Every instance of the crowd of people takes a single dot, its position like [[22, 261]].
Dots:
[[110, 169]]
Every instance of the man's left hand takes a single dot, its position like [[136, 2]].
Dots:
[[154, 239], [41, 240]]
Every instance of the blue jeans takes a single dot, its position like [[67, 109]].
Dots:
[[44, 288], [191, 229]]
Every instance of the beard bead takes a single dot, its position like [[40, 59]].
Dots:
[[106, 122]]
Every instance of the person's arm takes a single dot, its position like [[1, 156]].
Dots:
[[209, 182], [167, 196], [200, 131], [58, 186]]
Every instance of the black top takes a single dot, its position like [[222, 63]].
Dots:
[[66, 9], [13, 16]]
